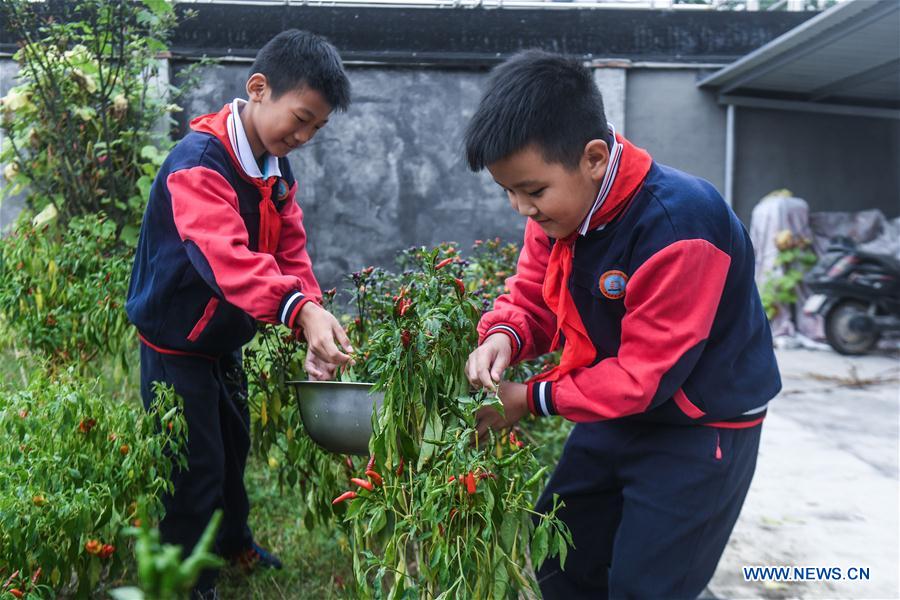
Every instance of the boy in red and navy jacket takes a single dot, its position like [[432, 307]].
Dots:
[[222, 246], [644, 276]]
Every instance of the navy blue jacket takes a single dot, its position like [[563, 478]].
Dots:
[[667, 294], [218, 250]]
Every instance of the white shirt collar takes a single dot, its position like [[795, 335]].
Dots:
[[241, 146], [615, 153]]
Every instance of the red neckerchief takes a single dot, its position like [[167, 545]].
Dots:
[[579, 351], [216, 124]]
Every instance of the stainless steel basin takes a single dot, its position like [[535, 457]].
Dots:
[[338, 416]]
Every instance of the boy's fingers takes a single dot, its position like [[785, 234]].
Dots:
[[342, 338], [497, 369], [471, 372], [331, 353], [484, 375], [483, 370]]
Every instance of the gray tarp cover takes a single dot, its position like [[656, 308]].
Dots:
[[779, 211]]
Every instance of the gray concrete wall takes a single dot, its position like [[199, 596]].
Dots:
[[679, 124], [834, 162], [390, 173], [9, 207]]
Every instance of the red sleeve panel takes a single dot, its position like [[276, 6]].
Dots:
[[292, 256], [205, 210], [670, 304], [522, 314]]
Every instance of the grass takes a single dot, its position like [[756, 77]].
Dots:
[[317, 563]]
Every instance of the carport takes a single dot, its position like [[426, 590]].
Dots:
[[845, 61]]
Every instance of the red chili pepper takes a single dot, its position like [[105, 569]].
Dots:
[[36, 576], [344, 496], [86, 425], [451, 479], [441, 528], [106, 551], [487, 475], [400, 468], [460, 286], [470, 483], [444, 263], [513, 440], [7, 583], [93, 546], [405, 305], [348, 462], [374, 476], [453, 512], [405, 338], [364, 484], [17, 593], [371, 464]]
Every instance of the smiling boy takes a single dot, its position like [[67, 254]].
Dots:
[[223, 246], [644, 276]]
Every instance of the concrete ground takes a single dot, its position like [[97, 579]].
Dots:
[[826, 491]]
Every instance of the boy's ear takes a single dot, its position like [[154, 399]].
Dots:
[[596, 156], [257, 85]]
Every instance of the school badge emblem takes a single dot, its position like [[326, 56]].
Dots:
[[612, 284], [280, 190]]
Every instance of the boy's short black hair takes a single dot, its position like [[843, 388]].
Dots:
[[539, 98], [295, 58]]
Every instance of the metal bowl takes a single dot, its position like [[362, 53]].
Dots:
[[338, 416]]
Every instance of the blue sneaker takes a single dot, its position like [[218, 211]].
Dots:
[[255, 556]]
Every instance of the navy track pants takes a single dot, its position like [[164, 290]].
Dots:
[[650, 507], [215, 407]]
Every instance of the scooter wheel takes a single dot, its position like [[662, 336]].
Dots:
[[849, 328]]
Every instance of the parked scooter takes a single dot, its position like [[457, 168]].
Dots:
[[858, 294]]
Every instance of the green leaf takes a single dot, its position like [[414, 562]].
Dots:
[[508, 531], [539, 546], [160, 8], [501, 579]]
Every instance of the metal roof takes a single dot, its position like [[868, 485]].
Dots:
[[844, 60]]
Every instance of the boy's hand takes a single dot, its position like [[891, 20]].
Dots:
[[515, 406], [486, 363], [321, 330], [318, 369]]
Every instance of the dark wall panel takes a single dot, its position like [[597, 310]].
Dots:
[[833, 162]]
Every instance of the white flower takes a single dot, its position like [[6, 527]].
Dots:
[[78, 52], [120, 103], [15, 100], [11, 170], [86, 113], [45, 216], [84, 80]]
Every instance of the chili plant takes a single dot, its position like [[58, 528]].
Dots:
[[436, 515], [273, 360], [63, 291], [76, 470], [430, 514]]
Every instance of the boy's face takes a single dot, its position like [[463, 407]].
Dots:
[[283, 124], [555, 197]]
